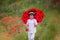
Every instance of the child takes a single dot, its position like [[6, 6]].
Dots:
[[31, 23]]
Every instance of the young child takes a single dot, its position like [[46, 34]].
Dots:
[[31, 23]]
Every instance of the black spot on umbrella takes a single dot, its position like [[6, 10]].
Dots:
[[42, 16]]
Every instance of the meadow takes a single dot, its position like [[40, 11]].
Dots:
[[12, 28]]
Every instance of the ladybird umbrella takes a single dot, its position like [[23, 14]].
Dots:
[[39, 15]]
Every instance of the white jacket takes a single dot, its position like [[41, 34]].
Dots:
[[31, 23]]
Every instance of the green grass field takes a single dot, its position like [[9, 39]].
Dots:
[[48, 29]]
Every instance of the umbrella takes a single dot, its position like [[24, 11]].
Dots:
[[39, 15]]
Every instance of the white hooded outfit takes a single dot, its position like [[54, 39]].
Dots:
[[32, 29]]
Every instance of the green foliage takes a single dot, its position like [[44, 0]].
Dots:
[[45, 30]]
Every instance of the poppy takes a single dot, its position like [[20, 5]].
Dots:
[[13, 30], [27, 29], [5, 18], [1, 26], [18, 32], [15, 26], [9, 33]]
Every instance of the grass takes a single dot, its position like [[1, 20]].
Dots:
[[46, 30]]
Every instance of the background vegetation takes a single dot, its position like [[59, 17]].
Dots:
[[10, 19]]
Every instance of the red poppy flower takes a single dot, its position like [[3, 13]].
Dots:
[[5, 18], [13, 30], [1, 26], [18, 32], [9, 33], [27, 29], [15, 26]]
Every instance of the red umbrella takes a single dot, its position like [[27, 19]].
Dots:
[[39, 15]]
